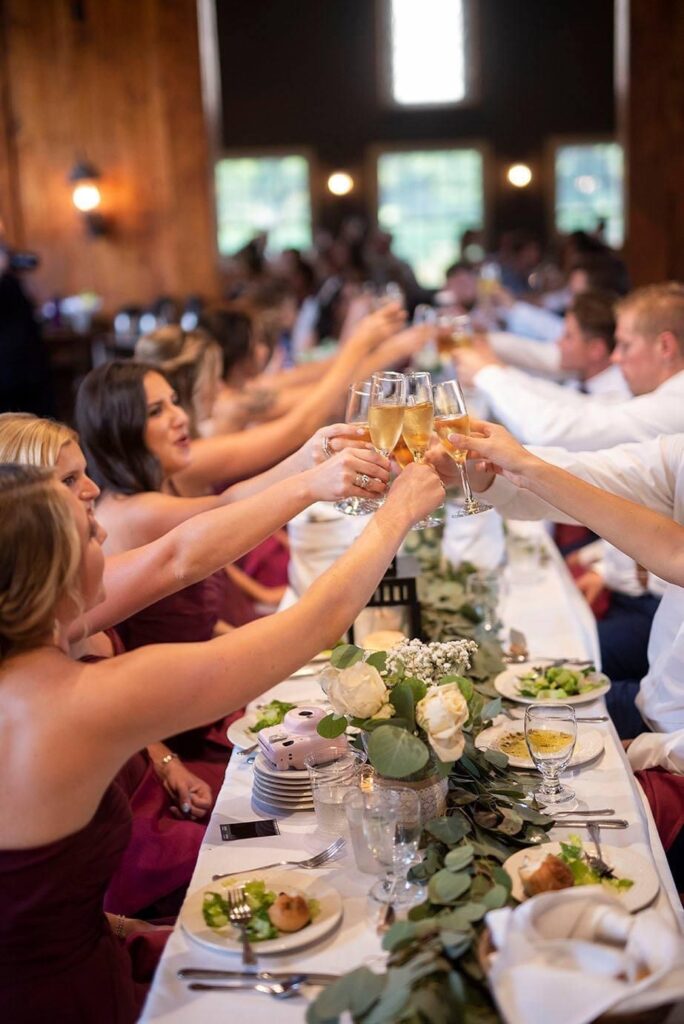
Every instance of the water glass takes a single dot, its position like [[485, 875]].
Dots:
[[482, 590], [392, 825], [354, 803], [550, 735], [332, 776]]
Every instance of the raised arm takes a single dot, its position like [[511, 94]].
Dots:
[[235, 456], [174, 687], [650, 538]]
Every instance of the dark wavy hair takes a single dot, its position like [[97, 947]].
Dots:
[[233, 329], [111, 413]]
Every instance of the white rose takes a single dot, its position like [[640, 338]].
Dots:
[[358, 691], [441, 713]]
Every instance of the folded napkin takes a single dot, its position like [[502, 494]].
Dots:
[[572, 955], [476, 539]]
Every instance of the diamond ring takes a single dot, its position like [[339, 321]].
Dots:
[[362, 481], [327, 450]]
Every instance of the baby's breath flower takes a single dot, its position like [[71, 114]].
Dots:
[[430, 662]]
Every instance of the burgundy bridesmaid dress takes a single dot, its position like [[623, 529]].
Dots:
[[59, 959]]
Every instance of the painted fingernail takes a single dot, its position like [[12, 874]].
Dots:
[[185, 808]]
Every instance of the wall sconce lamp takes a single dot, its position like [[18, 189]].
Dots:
[[340, 183], [86, 197], [519, 175]]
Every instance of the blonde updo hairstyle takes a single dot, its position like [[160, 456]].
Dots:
[[40, 556], [31, 441], [193, 363]]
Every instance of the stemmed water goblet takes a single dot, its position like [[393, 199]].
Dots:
[[451, 417], [550, 735], [392, 826]]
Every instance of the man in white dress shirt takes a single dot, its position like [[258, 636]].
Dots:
[[650, 354], [651, 473]]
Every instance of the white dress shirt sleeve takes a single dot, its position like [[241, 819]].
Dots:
[[645, 473], [533, 322], [658, 750], [576, 421], [534, 356]]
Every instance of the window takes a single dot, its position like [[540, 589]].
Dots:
[[266, 193], [427, 199], [589, 186], [426, 51]]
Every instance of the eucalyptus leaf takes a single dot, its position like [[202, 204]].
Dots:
[[459, 858], [491, 710], [346, 655], [496, 758], [460, 797], [511, 824], [503, 878], [431, 862], [370, 724], [496, 897], [378, 659], [396, 753], [417, 686], [331, 726], [445, 887], [456, 943], [403, 702], [461, 917], [354, 992], [449, 830]]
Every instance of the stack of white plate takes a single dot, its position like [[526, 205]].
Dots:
[[285, 792]]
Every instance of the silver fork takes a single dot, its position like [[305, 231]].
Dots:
[[310, 862], [597, 862], [240, 914]]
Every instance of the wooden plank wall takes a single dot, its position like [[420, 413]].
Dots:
[[117, 82], [650, 88]]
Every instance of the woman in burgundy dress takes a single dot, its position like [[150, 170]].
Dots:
[[66, 728]]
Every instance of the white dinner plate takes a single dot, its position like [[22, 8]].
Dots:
[[507, 684], [588, 746], [624, 862], [298, 797], [295, 792], [300, 883], [262, 767], [274, 809]]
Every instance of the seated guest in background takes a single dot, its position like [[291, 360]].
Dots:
[[650, 538], [55, 865], [651, 473], [650, 353], [25, 382], [460, 288]]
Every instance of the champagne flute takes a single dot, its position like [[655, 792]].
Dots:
[[386, 412], [417, 426], [451, 416], [392, 826], [550, 735], [358, 404]]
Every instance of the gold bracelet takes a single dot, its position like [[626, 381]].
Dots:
[[167, 759]]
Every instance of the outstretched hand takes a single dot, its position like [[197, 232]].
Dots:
[[498, 451]]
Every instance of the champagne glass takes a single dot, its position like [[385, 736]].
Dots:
[[386, 412], [550, 735], [358, 404], [392, 826], [451, 416], [417, 426]]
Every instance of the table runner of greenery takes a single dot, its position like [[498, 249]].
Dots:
[[433, 974]]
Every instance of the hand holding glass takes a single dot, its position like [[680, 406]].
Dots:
[[451, 417], [358, 404], [417, 426]]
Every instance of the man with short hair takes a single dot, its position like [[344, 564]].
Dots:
[[649, 351]]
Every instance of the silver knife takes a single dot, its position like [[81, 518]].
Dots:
[[585, 822], [248, 979]]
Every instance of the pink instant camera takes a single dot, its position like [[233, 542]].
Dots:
[[286, 745]]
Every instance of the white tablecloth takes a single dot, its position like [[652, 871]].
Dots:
[[557, 622]]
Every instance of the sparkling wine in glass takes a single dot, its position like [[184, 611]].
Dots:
[[386, 412], [358, 405], [401, 454], [550, 735], [417, 426], [451, 416], [392, 826]]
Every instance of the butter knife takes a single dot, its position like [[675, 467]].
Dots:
[[233, 977], [585, 822]]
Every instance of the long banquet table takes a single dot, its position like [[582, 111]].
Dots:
[[557, 622]]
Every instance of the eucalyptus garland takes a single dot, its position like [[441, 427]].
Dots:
[[433, 975]]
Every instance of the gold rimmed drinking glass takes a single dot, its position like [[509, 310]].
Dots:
[[451, 417], [358, 405]]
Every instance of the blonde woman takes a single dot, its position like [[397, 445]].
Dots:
[[66, 728]]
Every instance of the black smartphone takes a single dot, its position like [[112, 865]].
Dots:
[[249, 829]]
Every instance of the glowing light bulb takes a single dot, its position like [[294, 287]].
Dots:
[[86, 197], [340, 183], [519, 175]]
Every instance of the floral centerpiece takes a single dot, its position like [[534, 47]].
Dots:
[[411, 704]]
